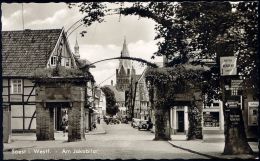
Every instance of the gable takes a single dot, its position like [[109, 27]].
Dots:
[[62, 47]]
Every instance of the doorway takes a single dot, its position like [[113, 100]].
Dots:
[[180, 115], [57, 111]]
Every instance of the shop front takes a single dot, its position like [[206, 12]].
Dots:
[[213, 118]]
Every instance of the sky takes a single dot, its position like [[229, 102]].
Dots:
[[103, 40]]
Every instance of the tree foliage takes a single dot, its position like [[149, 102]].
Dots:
[[189, 31], [111, 107]]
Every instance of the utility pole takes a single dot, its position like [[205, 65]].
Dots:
[[133, 107], [130, 100]]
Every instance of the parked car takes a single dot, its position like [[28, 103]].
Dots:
[[145, 124], [115, 121], [135, 122], [124, 119]]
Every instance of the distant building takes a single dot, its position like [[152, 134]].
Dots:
[[125, 70], [142, 105]]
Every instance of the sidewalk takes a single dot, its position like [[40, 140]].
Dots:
[[99, 130], [210, 148], [28, 140]]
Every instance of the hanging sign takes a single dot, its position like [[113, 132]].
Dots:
[[236, 83], [228, 65]]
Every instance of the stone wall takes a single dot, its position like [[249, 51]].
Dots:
[[57, 93], [44, 122]]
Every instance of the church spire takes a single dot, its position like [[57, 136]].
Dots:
[[124, 51], [76, 49]]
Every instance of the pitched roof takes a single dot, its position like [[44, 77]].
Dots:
[[23, 51], [137, 77]]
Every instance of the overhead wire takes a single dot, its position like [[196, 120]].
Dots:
[[107, 79]]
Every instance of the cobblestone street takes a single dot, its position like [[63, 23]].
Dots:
[[121, 141]]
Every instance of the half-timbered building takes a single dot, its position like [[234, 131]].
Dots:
[[23, 52]]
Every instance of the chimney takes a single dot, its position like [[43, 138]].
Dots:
[[111, 82]]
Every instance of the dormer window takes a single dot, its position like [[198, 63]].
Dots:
[[53, 60]]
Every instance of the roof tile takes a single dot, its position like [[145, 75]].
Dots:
[[24, 51]]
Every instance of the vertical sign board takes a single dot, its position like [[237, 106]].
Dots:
[[252, 113], [233, 110], [228, 65]]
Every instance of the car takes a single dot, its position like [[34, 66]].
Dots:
[[135, 122], [115, 121], [124, 119], [145, 124]]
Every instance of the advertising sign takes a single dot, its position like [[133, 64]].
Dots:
[[252, 113], [236, 83], [211, 119], [228, 65], [232, 104]]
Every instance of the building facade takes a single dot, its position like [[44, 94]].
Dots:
[[25, 54], [130, 91]]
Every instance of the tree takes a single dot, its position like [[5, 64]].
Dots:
[[194, 31], [218, 31], [164, 85], [111, 107]]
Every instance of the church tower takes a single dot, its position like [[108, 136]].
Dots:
[[124, 70], [76, 49]]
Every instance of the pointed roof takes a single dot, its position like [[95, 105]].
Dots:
[[124, 51]]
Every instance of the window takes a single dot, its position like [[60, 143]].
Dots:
[[16, 86], [234, 91], [211, 119], [67, 62], [53, 60]]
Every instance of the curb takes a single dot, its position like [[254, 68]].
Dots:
[[207, 155], [97, 133], [195, 152]]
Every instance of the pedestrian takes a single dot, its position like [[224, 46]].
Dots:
[[65, 123], [98, 120], [94, 125]]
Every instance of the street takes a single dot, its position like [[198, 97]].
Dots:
[[121, 141]]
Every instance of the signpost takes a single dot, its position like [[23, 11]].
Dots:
[[228, 65], [236, 83]]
